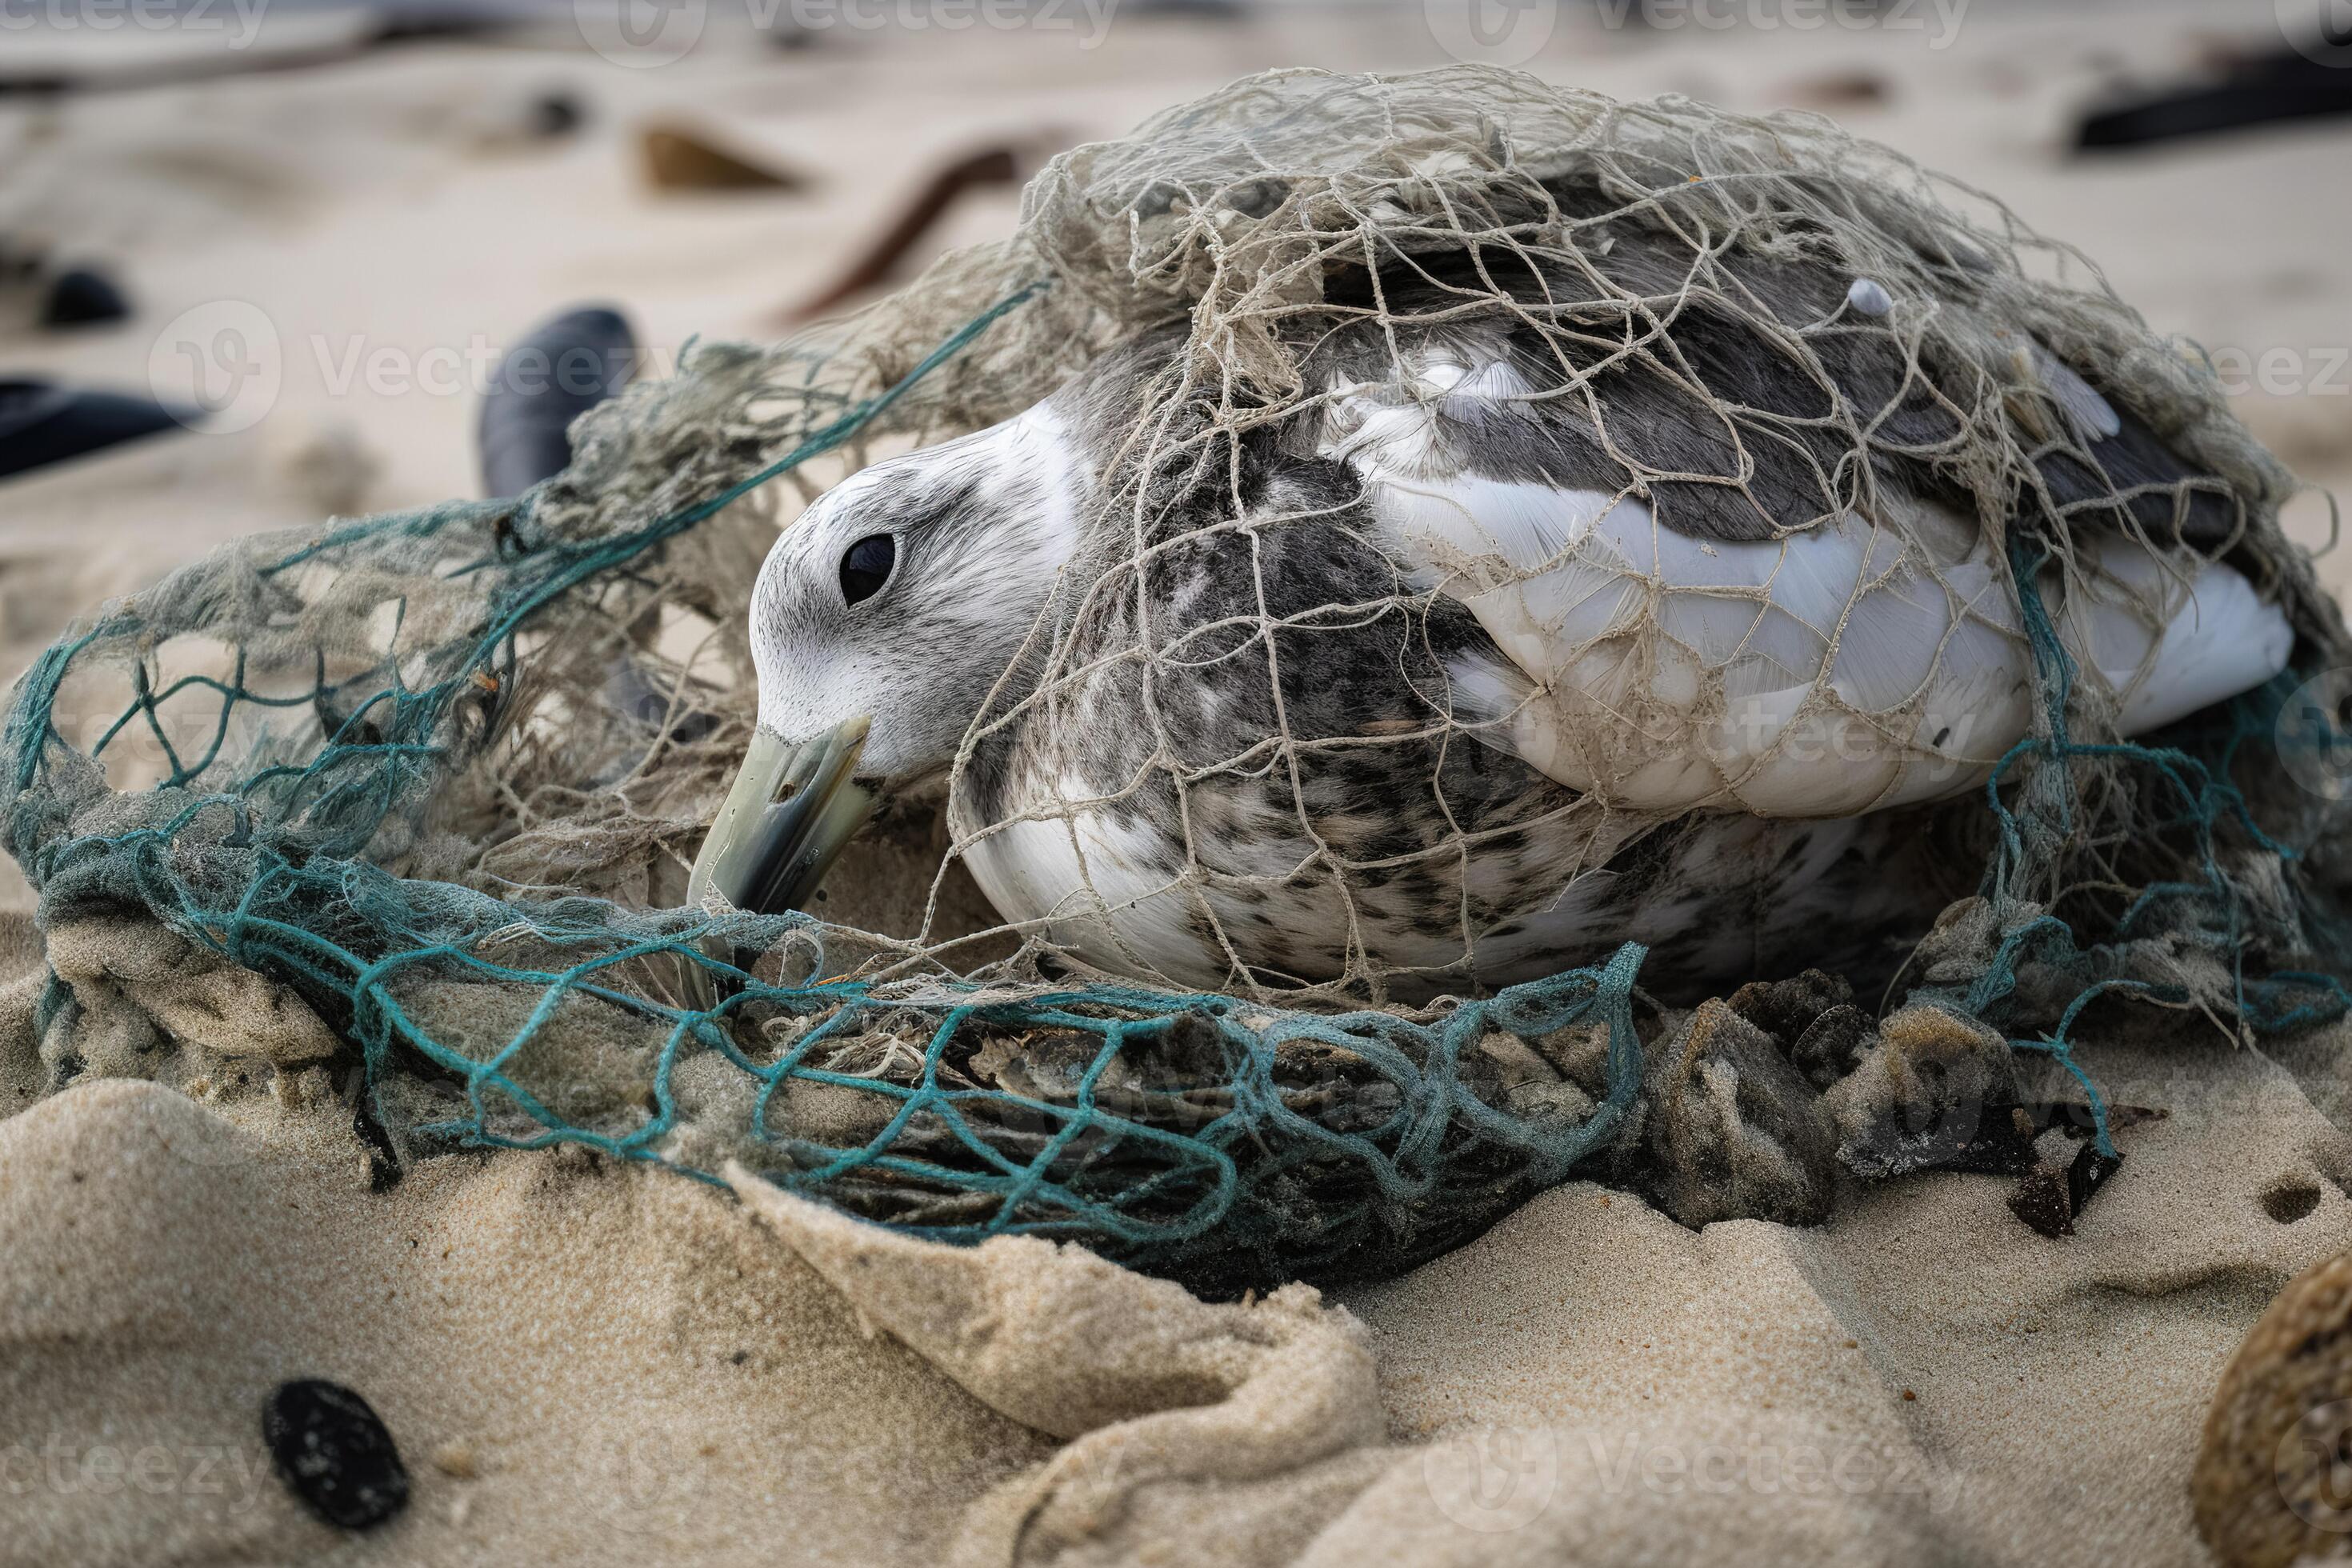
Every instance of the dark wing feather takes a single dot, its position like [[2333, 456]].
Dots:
[[1704, 402]]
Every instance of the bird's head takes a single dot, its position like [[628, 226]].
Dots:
[[882, 618]]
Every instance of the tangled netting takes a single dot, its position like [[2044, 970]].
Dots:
[[439, 773]]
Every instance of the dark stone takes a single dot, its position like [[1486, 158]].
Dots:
[[83, 297], [1934, 1092], [383, 1158], [43, 423], [1733, 1131], [2057, 1188], [567, 366], [2088, 1174], [2000, 1141], [2265, 90], [1834, 1045], [556, 114], [2042, 1201], [332, 1451], [1785, 1009], [1997, 1141]]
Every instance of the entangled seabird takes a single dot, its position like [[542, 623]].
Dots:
[[1564, 608]]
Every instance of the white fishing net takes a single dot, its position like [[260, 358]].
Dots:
[[1517, 524]]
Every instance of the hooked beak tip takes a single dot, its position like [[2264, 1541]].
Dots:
[[795, 806]]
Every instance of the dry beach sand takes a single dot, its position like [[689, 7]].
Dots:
[[580, 1360]]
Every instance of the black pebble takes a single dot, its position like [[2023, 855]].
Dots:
[[567, 366], [83, 297], [2042, 1201], [332, 1451], [383, 1159], [1785, 1009], [1834, 1045], [556, 114], [2285, 85], [2052, 1194], [43, 423]]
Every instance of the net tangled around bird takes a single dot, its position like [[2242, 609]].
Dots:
[[436, 777]]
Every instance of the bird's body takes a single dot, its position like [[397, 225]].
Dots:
[[1284, 791], [1488, 654]]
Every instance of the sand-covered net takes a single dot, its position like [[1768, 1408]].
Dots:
[[431, 781]]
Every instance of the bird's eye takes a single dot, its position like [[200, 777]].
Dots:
[[865, 567]]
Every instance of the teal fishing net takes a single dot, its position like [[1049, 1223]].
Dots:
[[435, 777]]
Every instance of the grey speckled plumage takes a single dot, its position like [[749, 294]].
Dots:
[[1217, 713], [1309, 785]]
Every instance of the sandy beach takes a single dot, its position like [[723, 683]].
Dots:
[[582, 1359]]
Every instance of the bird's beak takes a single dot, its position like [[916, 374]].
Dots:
[[794, 808]]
